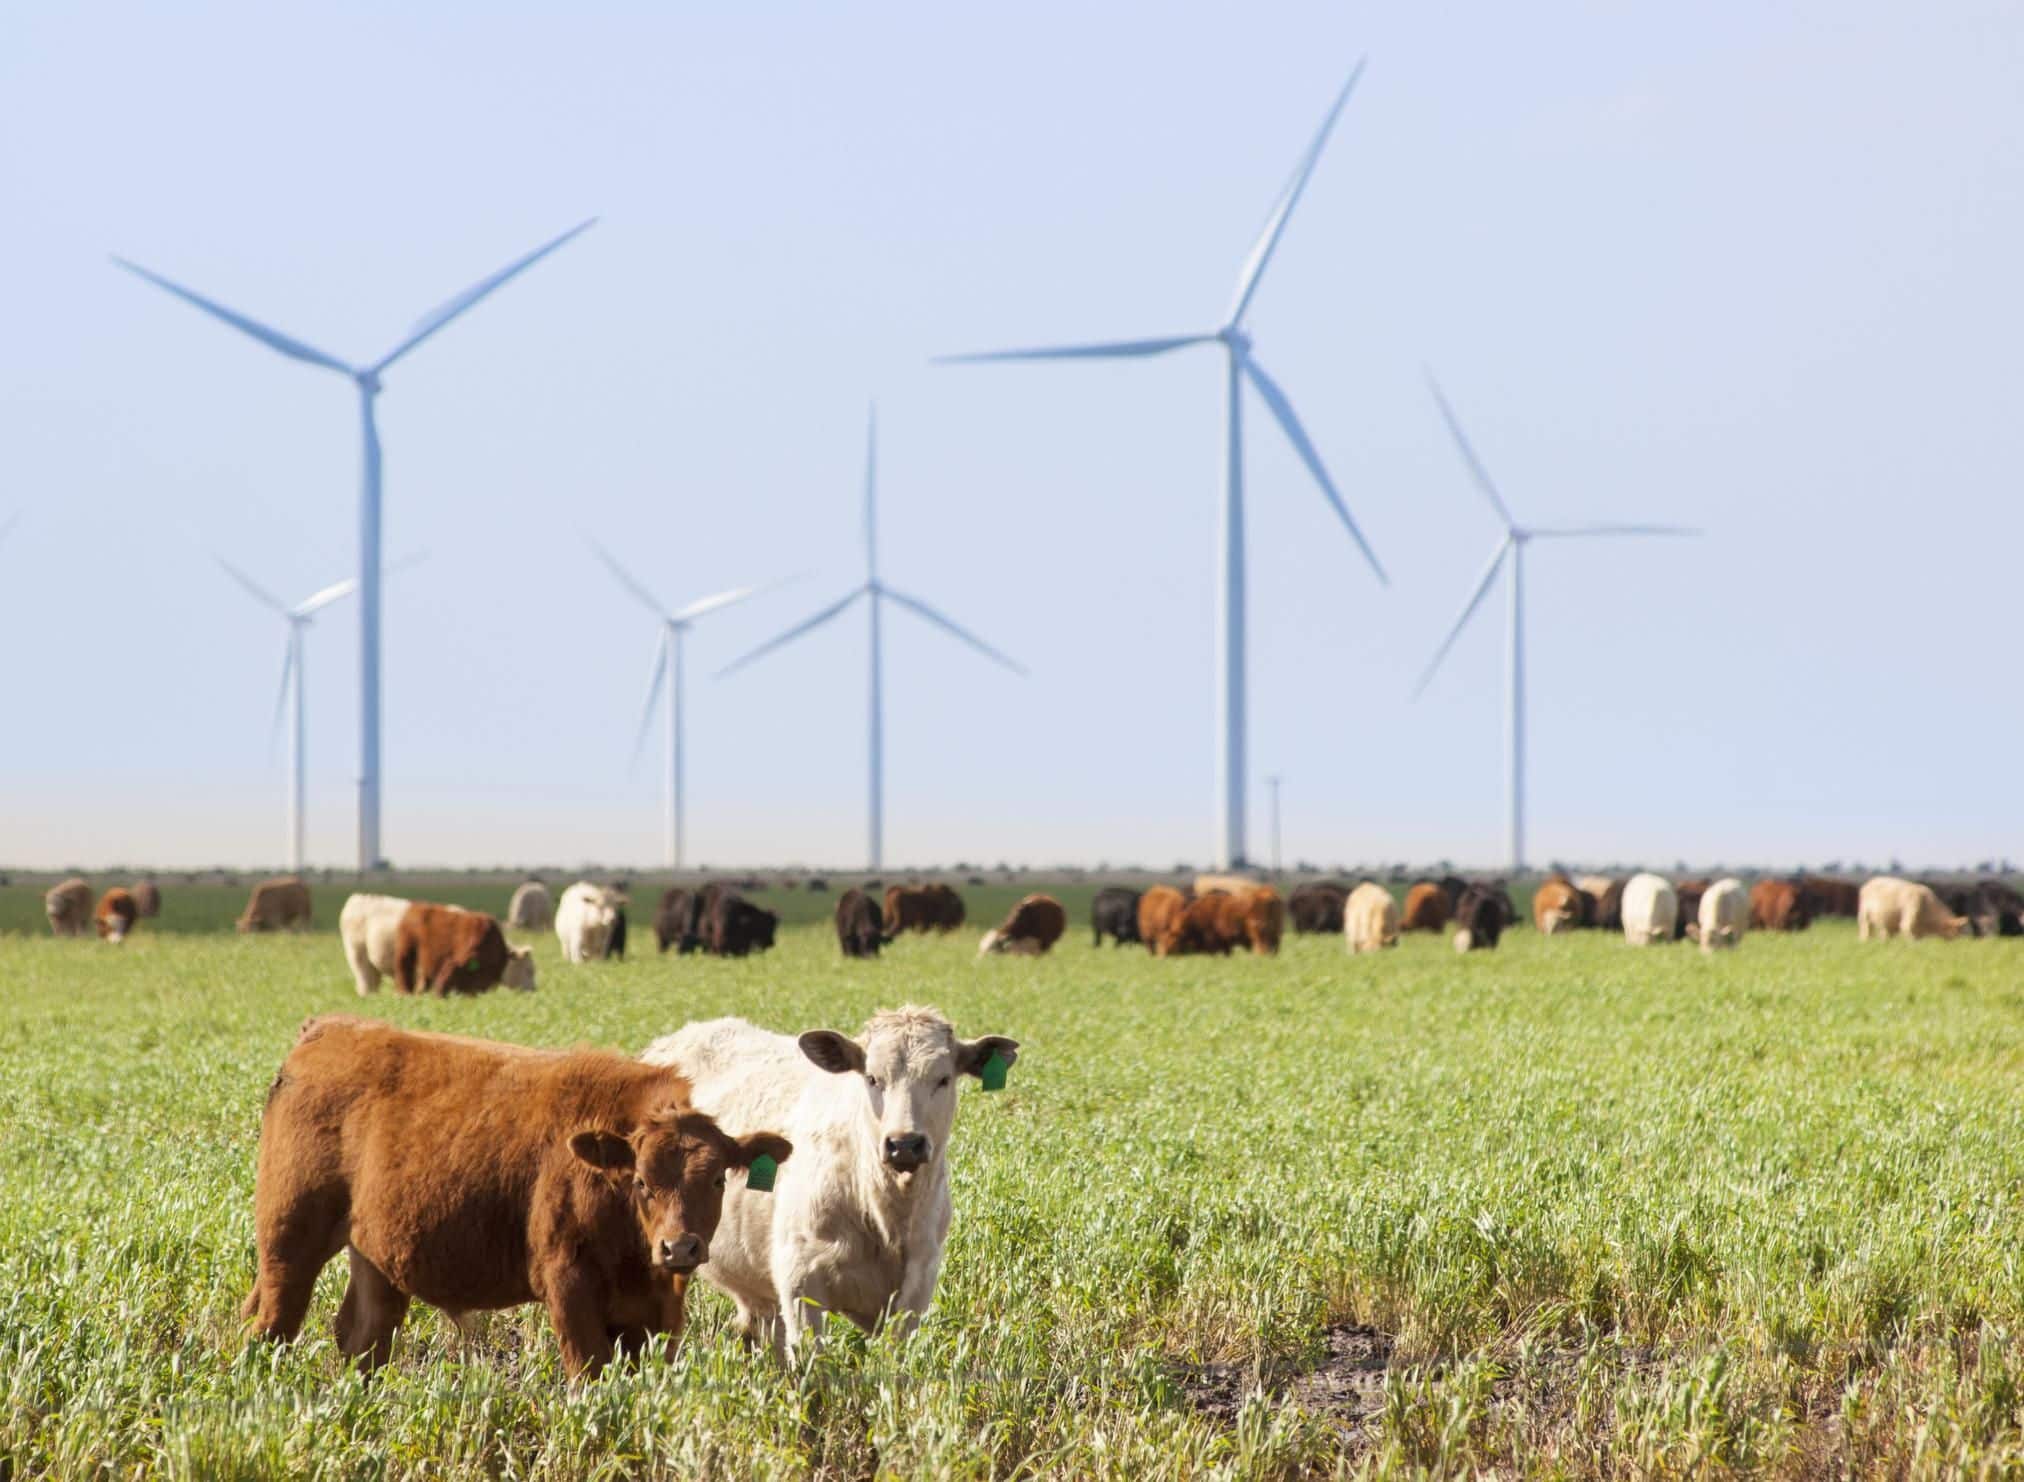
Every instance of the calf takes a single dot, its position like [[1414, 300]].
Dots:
[[117, 912], [276, 905], [1114, 913], [1778, 905], [447, 949], [737, 928], [68, 907], [1651, 911], [1479, 917], [1889, 907], [1317, 907], [857, 1224], [1426, 908], [1031, 930], [1370, 918], [859, 927], [476, 1176], [1159, 908], [1724, 914], [369, 930]]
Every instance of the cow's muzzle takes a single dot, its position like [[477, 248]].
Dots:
[[905, 1154], [680, 1255]]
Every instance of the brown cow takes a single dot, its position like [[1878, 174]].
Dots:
[[116, 914], [908, 908], [1158, 908], [1255, 919], [1556, 906], [147, 898], [1426, 908], [1033, 928], [1208, 924], [277, 905], [447, 949], [1827, 896], [945, 908], [68, 907], [1778, 905], [476, 1176]]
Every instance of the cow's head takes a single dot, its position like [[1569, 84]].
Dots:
[[908, 1060], [519, 969], [672, 1169]]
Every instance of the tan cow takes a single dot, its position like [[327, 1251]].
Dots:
[[1889, 907], [1556, 907], [277, 905], [1370, 918], [68, 907]]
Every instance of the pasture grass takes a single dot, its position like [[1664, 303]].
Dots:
[[1578, 1209]]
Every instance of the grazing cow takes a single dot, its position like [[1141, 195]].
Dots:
[[1159, 909], [1592, 886], [2005, 905], [1426, 908], [1031, 930], [1827, 896], [736, 928], [1724, 914], [1889, 907], [908, 908], [1689, 893], [1651, 911], [946, 912], [1609, 906], [816, 882], [1556, 906], [277, 905], [117, 912], [1370, 918], [584, 920], [1778, 905], [147, 898], [1480, 919], [477, 1176], [678, 920], [68, 907], [1211, 924], [857, 1222], [860, 930], [369, 927], [1259, 918], [1114, 912], [1228, 884], [1317, 907], [614, 946], [447, 949], [1454, 887], [532, 907]]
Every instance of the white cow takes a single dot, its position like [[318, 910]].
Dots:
[[1370, 918], [369, 926], [857, 1220], [1651, 910], [584, 919], [1725, 914], [532, 908]]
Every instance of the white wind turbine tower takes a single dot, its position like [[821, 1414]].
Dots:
[[1229, 845], [875, 591], [366, 377], [668, 670], [298, 619], [1516, 538]]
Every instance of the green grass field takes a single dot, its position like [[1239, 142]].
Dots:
[[1567, 1208]]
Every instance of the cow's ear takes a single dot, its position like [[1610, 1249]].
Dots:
[[972, 1053], [836, 1053], [762, 1144], [605, 1150]]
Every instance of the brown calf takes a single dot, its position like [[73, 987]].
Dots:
[[1211, 923], [1778, 905], [1033, 926], [1159, 908], [445, 949], [1427, 908], [276, 905], [476, 1176], [117, 912]]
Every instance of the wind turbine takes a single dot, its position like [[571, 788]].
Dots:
[[366, 377], [1229, 843], [875, 591], [298, 619], [1516, 538], [668, 669]]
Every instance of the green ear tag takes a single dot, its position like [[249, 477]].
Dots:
[[759, 1177], [993, 1073]]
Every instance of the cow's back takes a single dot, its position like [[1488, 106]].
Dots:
[[1651, 910]]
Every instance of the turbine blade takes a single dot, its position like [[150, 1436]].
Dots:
[[1476, 468], [1468, 611], [259, 593], [1275, 224], [1113, 350], [627, 580], [273, 338], [653, 694], [733, 597], [793, 633], [871, 494], [443, 313], [316, 601], [1282, 411], [281, 698], [948, 625], [1557, 532]]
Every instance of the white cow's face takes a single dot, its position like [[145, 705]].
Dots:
[[907, 1062]]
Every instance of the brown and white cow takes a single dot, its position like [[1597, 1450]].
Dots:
[[476, 1176], [68, 907], [117, 912], [280, 904], [1030, 930]]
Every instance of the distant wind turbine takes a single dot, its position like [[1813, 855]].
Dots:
[[1229, 844], [1516, 538], [876, 592], [298, 619], [668, 670], [366, 376]]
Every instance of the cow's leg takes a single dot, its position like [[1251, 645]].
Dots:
[[370, 1314], [295, 1244], [579, 1326]]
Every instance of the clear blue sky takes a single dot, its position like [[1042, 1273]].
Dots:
[[1751, 267]]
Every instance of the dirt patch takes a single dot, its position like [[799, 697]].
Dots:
[[1345, 1385]]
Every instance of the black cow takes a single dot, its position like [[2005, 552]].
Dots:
[[860, 926], [1317, 907], [735, 927], [1115, 912], [816, 882], [614, 949], [1480, 918], [675, 920]]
